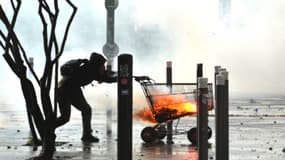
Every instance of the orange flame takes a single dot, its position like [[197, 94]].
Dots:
[[146, 116], [167, 107]]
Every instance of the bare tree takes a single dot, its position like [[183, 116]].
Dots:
[[16, 57]]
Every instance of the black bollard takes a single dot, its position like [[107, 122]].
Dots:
[[198, 75], [169, 84], [226, 116], [217, 70], [125, 106], [219, 113], [203, 118]]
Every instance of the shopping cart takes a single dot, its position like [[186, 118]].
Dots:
[[174, 102]]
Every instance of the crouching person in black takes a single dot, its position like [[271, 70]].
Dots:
[[76, 74]]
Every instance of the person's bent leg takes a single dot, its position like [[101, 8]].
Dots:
[[86, 119], [64, 104], [65, 111], [81, 104]]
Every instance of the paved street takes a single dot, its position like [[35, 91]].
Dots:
[[253, 136]]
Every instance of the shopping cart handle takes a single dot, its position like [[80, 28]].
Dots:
[[141, 78]]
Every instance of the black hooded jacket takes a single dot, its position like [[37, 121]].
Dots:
[[85, 74]]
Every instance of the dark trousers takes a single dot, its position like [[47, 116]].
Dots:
[[73, 96]]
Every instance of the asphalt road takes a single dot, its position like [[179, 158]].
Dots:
[[254, 135]]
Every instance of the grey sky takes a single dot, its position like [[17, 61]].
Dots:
[[185, 31]]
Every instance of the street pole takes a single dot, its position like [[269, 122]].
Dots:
[[203, 118], [221, 113], [217, 70], [198, 75], [125, 106], [110, 50], [226, 116], [169, 85]]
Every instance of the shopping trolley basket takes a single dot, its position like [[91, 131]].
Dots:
[[168, 103]]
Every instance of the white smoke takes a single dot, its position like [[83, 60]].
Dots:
[[186, 32]]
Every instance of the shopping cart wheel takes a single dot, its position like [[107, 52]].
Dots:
[[192, 135], [148, 134], [161, 132], [209, 132]]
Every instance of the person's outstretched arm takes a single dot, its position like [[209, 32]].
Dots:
[[110, 77]]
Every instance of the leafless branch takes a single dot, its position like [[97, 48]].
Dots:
[[13, 5], [27, 62], [46, 80], [3, 17], [16, 11], [53, 40], [46, 7], [66, 30], [4, 38], [2, 45], [55, 77], [16, 45], [45, 40], [11, 63], [44, 24], [23, 52], [53, 21], [11, 37]]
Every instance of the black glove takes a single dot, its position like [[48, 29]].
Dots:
[[110, 76]]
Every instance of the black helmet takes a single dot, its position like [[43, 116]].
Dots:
[[97, 58]]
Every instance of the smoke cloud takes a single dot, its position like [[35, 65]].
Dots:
[[186, 32]]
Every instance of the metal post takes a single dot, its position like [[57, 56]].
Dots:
[[226, 116], [31, 61], [198, 75], [203, 118], [169, 84], [217, 70], [110, 50], [125, 104], [219, 112]]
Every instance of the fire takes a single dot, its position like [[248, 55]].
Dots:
[[166, 107], [146, 116]]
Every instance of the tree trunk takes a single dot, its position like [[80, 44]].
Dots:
[[45, 127], [48, 146], [44, 119], [32, 104]]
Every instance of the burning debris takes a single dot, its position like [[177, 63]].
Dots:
[[167, 103], [146, 116], [166, 107]]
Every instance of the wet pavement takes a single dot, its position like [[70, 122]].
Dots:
[[257, 132]]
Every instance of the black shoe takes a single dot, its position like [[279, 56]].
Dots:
[[90, 138]]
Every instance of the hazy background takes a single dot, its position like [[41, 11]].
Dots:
[[187, 32]]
